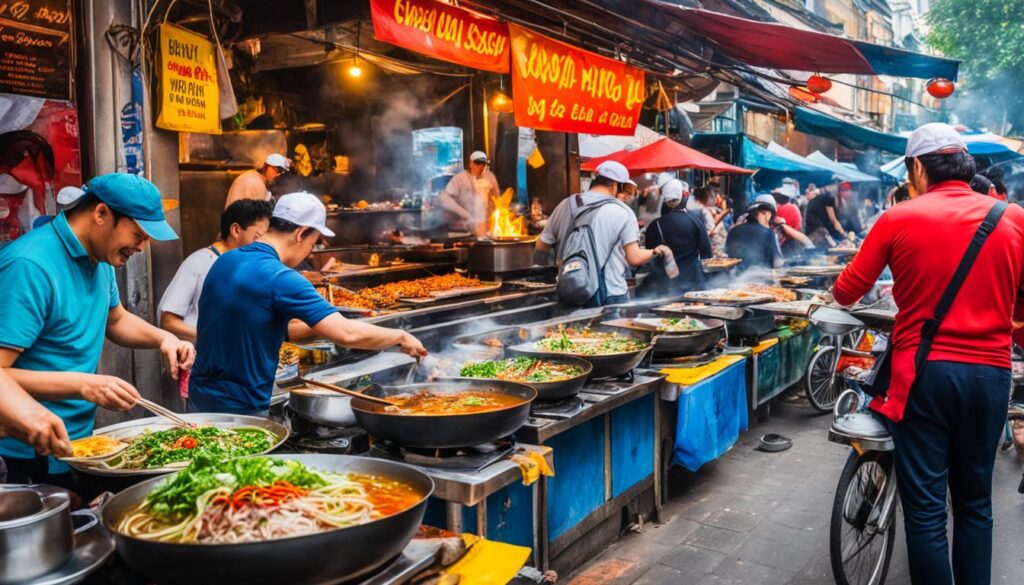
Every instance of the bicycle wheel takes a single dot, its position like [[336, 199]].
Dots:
[[860, 552], [820, 383]]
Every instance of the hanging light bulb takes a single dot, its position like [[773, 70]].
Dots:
[[941, 88], [818, 84], [501, 102], [354, 70]]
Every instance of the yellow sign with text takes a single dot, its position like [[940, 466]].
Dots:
[[189, 97]]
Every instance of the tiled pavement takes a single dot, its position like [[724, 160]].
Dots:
[[762, 518]]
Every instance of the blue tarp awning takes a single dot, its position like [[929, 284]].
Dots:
[[842, 171], [846, 133], [990, 152], [756, 156]]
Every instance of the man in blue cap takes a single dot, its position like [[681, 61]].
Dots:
[[61, 301]]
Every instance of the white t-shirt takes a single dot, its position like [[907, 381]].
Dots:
[[614, 228], [182, 295]]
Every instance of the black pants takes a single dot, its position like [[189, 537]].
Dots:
[[36, 470], [948, 437]]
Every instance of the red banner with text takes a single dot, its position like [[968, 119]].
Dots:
[[558, 87], [442, 31]]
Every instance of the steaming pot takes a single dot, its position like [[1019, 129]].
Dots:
[[501, 255]]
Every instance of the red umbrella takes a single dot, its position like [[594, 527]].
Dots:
[[665, 155]]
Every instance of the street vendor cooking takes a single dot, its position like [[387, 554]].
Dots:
[[468, 194], [947, 406], [61, 300], [251, 295], [257, 183]]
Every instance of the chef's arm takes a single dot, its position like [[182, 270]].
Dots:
[[449, 204], [636, 256], [28, 421], [797, 235], [129, 330], [359, 335], [299, 330], [831, 211], [109, 392], [176, 325]]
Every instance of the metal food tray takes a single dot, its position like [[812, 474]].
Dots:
[[452, 293], [134, 428], [790, 308], [712, 268], [708, 296], [812, 271]]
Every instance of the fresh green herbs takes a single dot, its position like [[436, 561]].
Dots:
[[152, 450], [521, 369]]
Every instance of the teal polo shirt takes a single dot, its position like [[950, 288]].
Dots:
[[56, 302]]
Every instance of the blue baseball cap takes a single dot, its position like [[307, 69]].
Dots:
[[135, 197]]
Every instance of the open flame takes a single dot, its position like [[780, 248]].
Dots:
[[503, 222]]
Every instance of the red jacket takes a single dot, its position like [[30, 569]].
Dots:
[[923, 241]]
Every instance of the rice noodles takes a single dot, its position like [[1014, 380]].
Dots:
[[231, 512]]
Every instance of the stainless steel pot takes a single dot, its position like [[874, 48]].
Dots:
[[323, 407], [36, 533], [497, 256]]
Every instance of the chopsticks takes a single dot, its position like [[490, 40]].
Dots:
[[164, 412], [346, 391]]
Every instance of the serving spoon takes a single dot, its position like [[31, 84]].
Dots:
[[346, 391]]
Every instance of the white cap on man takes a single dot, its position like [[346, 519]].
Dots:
[[762, 201], [674, 190], [303, 209], [479, 156], [615, 171], [663, 178], [68, 196], [279, 161], [934, 138]]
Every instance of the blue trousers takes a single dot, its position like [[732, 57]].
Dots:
[[948, 437]]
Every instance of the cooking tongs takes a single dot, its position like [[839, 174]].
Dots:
[[164, 412]]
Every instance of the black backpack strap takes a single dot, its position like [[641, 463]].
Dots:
[[931, 326]]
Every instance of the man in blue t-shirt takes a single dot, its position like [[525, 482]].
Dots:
[[61, 300], [247, 307], [754, 241]]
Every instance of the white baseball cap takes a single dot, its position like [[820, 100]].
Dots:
[[68, 196], [673, 190], [663, 178], [935, 138], [762, 201], [479, 156], [615, 171], [279, 161], [303, 209]]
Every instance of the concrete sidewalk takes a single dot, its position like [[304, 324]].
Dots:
[[763, 518]]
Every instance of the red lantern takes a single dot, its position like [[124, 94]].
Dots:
[[818, 84], [941, 88]]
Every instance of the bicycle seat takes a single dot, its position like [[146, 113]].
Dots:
[[862, 425]]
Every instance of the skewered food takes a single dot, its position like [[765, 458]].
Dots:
[[387, 295]]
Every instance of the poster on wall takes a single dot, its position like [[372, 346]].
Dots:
[[189, 96], [35, 48], [561, 88], [442, 31]]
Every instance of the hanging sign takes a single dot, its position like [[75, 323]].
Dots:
[[442, 31], [558, 87], [35, 48], [189, 97]]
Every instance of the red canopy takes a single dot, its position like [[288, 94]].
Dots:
[[664, 155]]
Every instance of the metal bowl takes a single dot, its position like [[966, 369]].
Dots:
[[679, 343], [342, 553]]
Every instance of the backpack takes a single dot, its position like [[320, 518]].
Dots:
[[580, 272]]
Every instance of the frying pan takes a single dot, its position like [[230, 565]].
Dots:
[[605, 366], [561, 389], [680, 343], [343, 553], [445, 431]]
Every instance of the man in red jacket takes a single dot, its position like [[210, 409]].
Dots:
[[946, 424]]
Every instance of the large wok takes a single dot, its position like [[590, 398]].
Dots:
[[331, 556], [605, 366], [445, 431], [562, 389], [96, 478], [678, 343]]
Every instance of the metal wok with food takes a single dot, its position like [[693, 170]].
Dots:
[[157, 446], [272, 519], [613, 351], [554, 378], [445, 414], [681, 335]]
